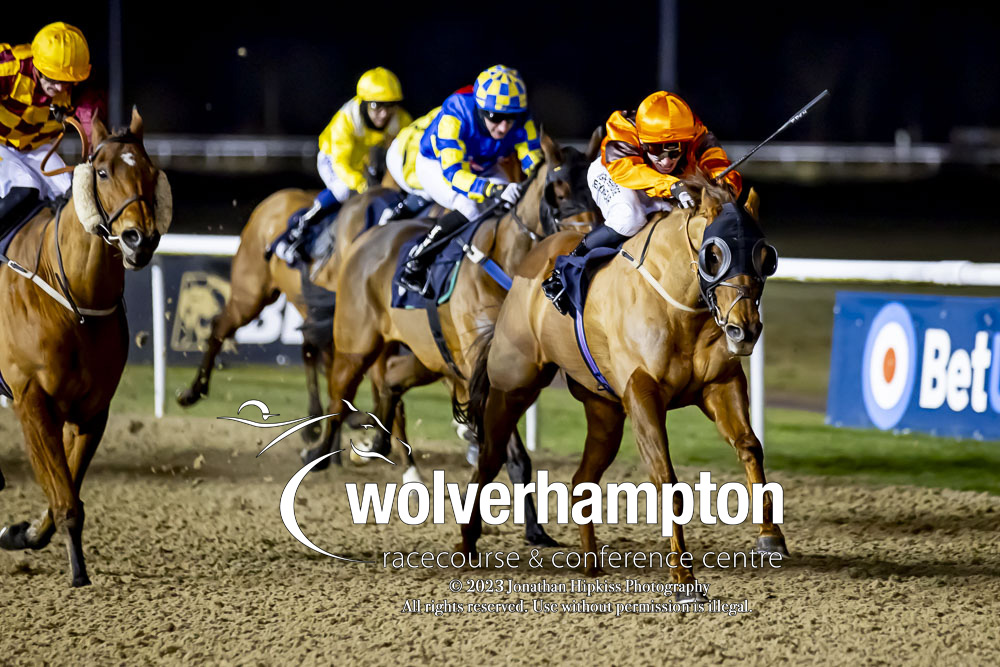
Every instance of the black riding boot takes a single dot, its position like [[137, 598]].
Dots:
[[554, 287], [408, 208], [15, 206], [414, 274]]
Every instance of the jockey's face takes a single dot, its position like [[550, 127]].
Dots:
[[664, 165], [380, 112], [499, 130], [53, 88]]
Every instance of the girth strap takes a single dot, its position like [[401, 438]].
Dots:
[[581, 342], [434, 320]]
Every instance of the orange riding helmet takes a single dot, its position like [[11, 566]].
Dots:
[[664, 117]]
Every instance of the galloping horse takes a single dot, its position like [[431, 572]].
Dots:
[[366, 326], [63, 353], [257, 281], [666, 326]]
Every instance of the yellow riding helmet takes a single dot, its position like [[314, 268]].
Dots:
[[664, 117], [60, 52], [379, 85]]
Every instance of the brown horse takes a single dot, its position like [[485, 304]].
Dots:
[[651, 335], [63, 359], [366, 326]]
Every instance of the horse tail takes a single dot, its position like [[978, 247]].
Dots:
[[471, 413]]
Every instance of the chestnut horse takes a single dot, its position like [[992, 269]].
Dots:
[[654, 341], [366, 326], [63, 354]]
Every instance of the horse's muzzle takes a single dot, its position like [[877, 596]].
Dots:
[[741, 339], [137, 248]]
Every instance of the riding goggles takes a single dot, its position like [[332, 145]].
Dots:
[[670, 150], [376, 106], [498, 117]]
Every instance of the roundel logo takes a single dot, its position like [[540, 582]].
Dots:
[[889, 369]]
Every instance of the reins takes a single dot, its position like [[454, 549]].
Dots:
[[644, 272]]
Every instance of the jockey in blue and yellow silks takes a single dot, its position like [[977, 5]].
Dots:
[[456, 165]]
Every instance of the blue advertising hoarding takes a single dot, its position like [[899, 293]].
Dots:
[[915, 362]]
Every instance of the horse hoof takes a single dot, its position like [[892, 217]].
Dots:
[[536, 535], [312, 433], [310, 455], [15, 538], [82, 580], [412, 475], [690, 598], [472, 454], [3, 482], [771, 544], [189, 397]]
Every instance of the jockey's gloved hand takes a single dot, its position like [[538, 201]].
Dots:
[[683, 196], [511, 193]]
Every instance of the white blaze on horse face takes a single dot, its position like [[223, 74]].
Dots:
[[129, 159]]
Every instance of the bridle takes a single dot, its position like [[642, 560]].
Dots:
[[104, 227]]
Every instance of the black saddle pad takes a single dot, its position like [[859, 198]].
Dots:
[[577, 272]]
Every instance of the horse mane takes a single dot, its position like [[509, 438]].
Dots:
[[705, 184]]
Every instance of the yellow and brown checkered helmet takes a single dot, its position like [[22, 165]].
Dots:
[[60, 52], [501, 89], [664, 117], [379, 85]]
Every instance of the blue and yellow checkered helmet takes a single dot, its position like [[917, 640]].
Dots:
[[501, 89]]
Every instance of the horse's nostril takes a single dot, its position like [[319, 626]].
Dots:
[[132, 238], [735, 333]]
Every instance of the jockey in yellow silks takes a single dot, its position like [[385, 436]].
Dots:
[[373, 117], [33, 78], [643, 158], [456, 161]]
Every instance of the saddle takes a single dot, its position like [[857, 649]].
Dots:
[[578, 272]]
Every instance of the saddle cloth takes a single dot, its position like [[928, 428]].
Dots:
[[442, 273], [577, 273]]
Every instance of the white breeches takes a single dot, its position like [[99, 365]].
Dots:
[[431, 177], [333, 183], [624, 210], [24, 169]]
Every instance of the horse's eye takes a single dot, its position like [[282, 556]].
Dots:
[[102, 174]]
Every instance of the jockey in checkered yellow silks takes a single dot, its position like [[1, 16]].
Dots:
[[33, 78], [456, 165]]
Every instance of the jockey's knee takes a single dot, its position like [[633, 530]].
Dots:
[[625, 217]]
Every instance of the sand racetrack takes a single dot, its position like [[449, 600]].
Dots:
[[190, 563]]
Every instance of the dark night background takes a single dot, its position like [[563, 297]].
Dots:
[[744, 67]]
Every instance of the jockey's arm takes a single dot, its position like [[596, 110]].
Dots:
[[454, 163], [628, 168], [8, 70], [713, 161], [529, 147], [337, 141]]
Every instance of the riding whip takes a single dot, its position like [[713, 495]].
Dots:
[[791, 121]]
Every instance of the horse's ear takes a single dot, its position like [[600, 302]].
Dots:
[[553, 154], [753, 205], [98, 132], [135, 127], [594, 146]]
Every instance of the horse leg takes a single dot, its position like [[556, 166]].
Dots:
[[43, 435], [503, 410], [605, 422], [247, 299], [392, 376], [646, 406], [519, 471], [311, 356], [726, 405], [343, 380], [79, 443]]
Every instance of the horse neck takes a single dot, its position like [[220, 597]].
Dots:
[[512, 242], [672, 257], [95, 276]]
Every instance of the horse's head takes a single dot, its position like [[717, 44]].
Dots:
[[120, 196], [566, 200], [734, 261]]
